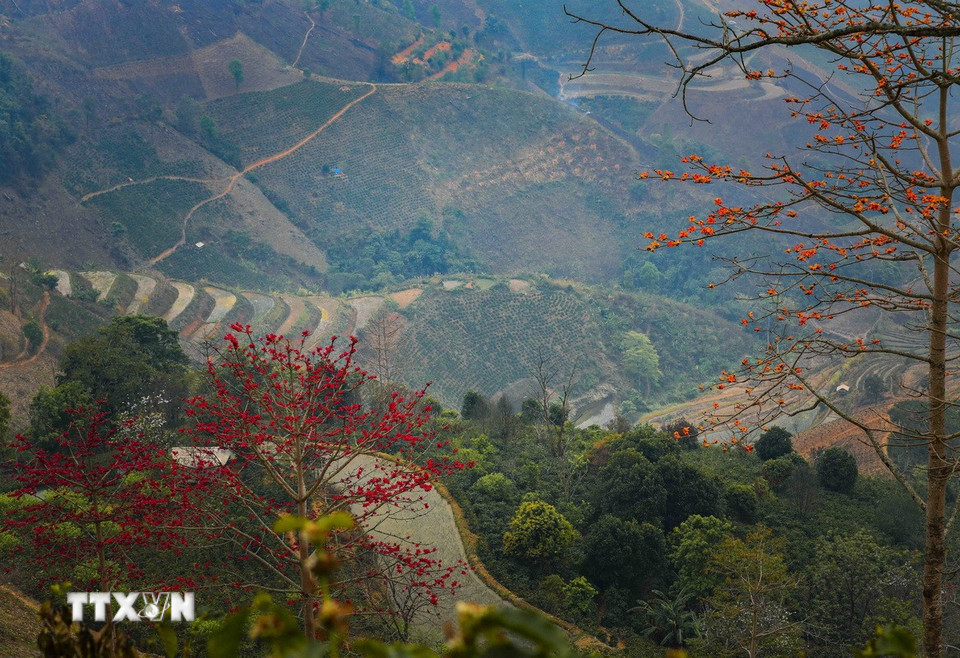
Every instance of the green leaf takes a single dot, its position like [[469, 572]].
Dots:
[[168, 639], [890, 640], [225, 641], [289, 523]]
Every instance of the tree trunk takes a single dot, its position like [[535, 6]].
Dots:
[[938, 470], [306, 578]]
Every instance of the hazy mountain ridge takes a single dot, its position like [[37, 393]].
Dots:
[[283, 179]]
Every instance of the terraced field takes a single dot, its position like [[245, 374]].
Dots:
[[204, 312], [460, 333]]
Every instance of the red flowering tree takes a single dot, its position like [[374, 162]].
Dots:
[[861, 219], [305, 445], [93, 510]]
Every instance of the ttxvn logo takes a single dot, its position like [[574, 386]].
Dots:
[[135, 606]]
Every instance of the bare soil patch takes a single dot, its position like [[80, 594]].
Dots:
[[185, 293], [262, 70], [101, 281], [223, 303], [297, 309], [145, 286], [842, 434], [262, 304], [434, 527], [21, 381], [64, 286], [366, 308], [19, 624], [404, 54], [406, 297], [12, 341]]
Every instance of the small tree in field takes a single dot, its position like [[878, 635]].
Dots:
[[235, 66], [89, 509], [874, 195], [307, 446]]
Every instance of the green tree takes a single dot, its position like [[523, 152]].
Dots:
[[493, 496], [692, 543], [30, 133], [539, 533], [5, 416], [748, 614], [641, 358], [408, 10], [623, 554], [474, 406], [436, 15], [188, 115], [688, 492], [855, 584], [49, 412], [872, 387], [208, 128], [235, 66], [668, 619], [130, 358], [837, 470], [34, 334], [649, 277], [629, 487], [773, 443], [578, 596], [870, 191], [741, 502]]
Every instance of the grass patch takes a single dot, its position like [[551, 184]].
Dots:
[[160, 300], [213, 264], [196, 311], [274, 317], [485, 339], [116, 155], [122, 292], [241, 313], [73, 320]]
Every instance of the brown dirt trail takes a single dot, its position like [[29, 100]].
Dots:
[[305, 37], [232, 181]]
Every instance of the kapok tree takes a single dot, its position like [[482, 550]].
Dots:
[[874, 187], [307, 446], [89, 508]]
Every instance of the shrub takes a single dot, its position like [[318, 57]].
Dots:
[[741, 501], [774, 443], [837, 470]]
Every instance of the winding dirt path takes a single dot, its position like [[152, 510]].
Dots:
[[232, 181], [145, 181], [305, 37]]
